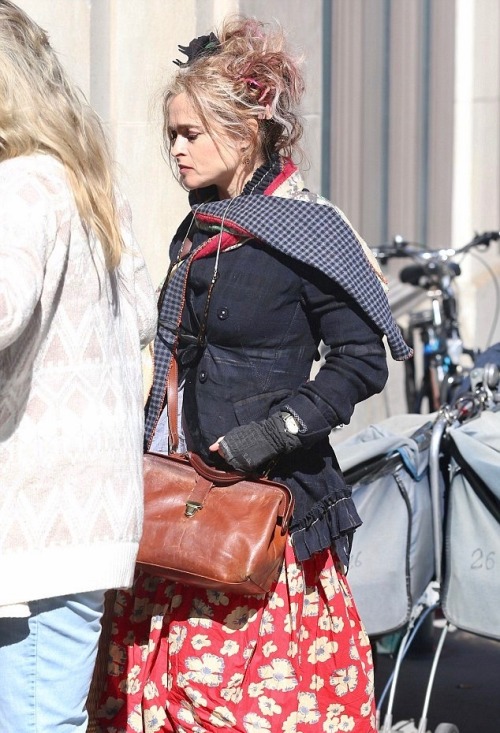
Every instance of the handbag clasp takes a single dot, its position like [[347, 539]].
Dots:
[[192, 507]]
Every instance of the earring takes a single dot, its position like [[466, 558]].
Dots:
[[246, 159]]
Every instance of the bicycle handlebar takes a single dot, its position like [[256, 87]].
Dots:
[[400, 247]]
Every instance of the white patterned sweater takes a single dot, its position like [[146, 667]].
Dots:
[[71, 397]]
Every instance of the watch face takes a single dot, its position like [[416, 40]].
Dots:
[[291, 424]]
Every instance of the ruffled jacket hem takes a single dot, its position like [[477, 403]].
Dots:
[[331, 521]]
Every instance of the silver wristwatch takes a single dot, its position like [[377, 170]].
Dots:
[[291, 425]]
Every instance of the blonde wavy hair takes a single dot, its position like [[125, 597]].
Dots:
[[42, 111], [250, 76]]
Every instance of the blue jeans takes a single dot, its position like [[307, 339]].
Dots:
[[46, 664]]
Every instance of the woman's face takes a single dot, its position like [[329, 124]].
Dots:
[[201, 160]]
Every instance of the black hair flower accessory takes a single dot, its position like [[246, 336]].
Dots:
[[198, 47]]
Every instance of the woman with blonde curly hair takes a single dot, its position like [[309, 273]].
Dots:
[[76, 303], [262, 270]]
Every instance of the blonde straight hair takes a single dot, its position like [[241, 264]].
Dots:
[[42, 111]]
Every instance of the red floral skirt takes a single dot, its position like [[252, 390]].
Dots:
[[296, 660]]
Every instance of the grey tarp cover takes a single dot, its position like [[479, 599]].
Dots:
[[471, 586], [392, 559]]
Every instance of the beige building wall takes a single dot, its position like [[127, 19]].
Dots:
[[411, 104]]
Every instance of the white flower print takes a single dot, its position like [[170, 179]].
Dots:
[[337, 624], [311, 605], [269, 648], [291, 618], [134, 720], [345, 680], [279, 675], [156, 622], [249, 649], [290, 724], [196, 697], [176, 638], [296, 585], [230, 648], [217, 598], [330, 583], [317, 682], [147, 649], [363, 639], [308, 708], [253, 723], [293, 571], [353, 650], [267, 623], [265, 655], [365, 709], [303, 633], [370, 682], [325, 621], [275, 602], [186, 716], [268, 706], [131, 684], [154, 717], [129, 687], [346, 723], [206, 670], [233, 691], [239, 619], [321, 650], [150, 690], [330, 725], [232, 694], [236, 680], [203, 623], [293, 649], [222, 717], [199, 641], [255, 689], [200, 614], [335, 710]]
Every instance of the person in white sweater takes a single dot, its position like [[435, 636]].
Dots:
[[76, 306]]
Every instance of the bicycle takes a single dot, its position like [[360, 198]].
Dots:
[[437, 328]]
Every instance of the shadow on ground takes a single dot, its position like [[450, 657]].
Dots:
[[466, 689]]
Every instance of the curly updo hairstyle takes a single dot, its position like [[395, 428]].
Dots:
[[249, 75]]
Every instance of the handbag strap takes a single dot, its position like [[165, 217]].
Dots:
[[172, 405]]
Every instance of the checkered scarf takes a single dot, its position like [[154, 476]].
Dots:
[[312, 233], [319, 236]]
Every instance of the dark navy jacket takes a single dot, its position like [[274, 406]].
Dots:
[[266, 318]]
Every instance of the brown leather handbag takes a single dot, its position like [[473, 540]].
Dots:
[[210, 528]]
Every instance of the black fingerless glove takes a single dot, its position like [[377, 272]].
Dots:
[[249, 446]]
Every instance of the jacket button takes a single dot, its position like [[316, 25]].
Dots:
[[223, 313], [202, 377]]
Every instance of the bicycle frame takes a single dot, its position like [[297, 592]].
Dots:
[[437, 327]]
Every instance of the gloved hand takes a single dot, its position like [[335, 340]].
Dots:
[[249, 446]]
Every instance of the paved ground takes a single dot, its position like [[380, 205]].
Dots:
[[466, 690]]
